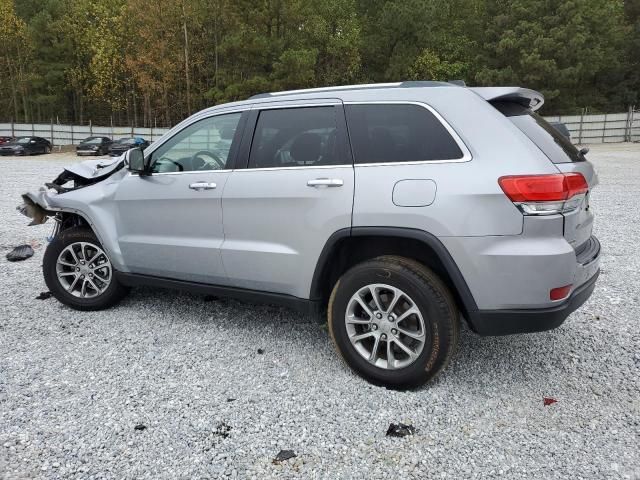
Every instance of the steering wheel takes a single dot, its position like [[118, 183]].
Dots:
[[212, 155], [168, 160]]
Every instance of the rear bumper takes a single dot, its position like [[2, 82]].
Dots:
[[506, 322]]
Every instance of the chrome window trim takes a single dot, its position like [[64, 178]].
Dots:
[[199, 172], [302, 167], [466, 153]]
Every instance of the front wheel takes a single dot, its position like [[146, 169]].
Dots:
[[393, 321], [79, 273]]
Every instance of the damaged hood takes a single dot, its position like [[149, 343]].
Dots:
[[96, 170]]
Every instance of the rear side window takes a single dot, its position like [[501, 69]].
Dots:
[[295, 137], [547, 138], [384, 133]]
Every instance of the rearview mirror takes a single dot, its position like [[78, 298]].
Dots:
[[135, 159]]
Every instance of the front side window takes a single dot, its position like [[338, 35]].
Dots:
[[295, 137], [386, 133], [202, 146]]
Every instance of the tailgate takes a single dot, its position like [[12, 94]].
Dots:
[[579, 223]]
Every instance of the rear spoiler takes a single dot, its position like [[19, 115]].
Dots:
[[524, 96]]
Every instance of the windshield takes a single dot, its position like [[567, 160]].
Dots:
[[92, 140], [23, 140], [126, 140], [553, 144]]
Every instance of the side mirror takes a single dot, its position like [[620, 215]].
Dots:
[[584, 151], [135, 159]]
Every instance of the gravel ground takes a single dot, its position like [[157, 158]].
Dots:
[[73, 385]]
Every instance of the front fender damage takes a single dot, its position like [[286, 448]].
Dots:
[[49, 200]]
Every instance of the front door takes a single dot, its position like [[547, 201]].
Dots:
[[170, 223], [296, 192]]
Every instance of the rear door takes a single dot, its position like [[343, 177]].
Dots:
[[296, 191]]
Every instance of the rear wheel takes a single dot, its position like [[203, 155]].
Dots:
[[393, 321], [79, 273]]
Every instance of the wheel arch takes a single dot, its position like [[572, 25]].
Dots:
[[350, 246]]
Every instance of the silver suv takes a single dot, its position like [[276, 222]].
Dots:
[[400, 208]]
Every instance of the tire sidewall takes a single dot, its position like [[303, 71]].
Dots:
[[110, 296], [429, 301]]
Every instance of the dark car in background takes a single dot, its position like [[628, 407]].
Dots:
[[26, 146], [94, 146], [118, 147], [5, 139], [562, 128]]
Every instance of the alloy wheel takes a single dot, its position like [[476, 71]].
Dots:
[[385, 326], [84, 270]]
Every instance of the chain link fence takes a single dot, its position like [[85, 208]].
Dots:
[[602, 128]]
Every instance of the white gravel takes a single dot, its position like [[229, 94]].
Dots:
[[74, 385]]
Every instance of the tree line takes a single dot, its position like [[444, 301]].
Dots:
[[155, 62]]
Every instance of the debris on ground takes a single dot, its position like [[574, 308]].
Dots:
[[21, 252], [549, 401], [260, 351], [222, 430], [140, 427], [43, 296], [400, 430], [231, 399], [284, 455]]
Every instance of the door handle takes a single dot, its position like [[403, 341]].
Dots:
[[202, 186], [325, 182]]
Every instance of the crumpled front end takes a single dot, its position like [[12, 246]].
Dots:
[[83, 195], [49, 200]]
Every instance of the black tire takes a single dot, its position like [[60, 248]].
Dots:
[[431, 297], [111, 295]]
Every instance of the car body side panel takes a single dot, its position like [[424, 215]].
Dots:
[[276, 226], [518, 272], [469, 201], [167, 229]]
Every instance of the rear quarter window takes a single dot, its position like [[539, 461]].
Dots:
[[387, 133], [547, 138]]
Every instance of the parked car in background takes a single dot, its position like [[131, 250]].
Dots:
[[94, 146], [26, 146], [5, 140], [118, 147], [562, 128]]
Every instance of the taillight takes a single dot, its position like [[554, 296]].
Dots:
[[545, 194]]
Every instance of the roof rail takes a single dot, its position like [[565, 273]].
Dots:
[[366, 86]]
